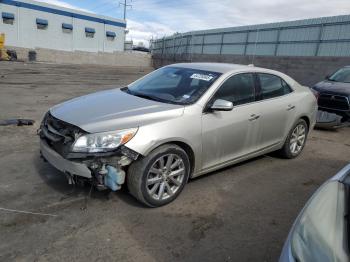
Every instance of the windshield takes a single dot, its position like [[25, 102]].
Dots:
[[342, 75], [173, 85]]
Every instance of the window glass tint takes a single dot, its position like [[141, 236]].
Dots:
[[273, 86], [238, 89]]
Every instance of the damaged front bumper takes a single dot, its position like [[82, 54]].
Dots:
[[104, 170], [62, 164]]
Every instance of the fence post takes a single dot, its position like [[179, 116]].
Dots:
[[187, 47], [256, 44], [222, 42], [202, 43], [191, 47], [277, 41], [246, 43], [174, 38], [163, 50], [163, 45], [320, 35]]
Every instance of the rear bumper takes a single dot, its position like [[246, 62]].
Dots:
[[63, 164]]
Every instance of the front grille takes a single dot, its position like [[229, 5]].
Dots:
[[58, 130], [335, 102], [58, 134]]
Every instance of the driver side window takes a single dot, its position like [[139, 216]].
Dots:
[[238, 89]]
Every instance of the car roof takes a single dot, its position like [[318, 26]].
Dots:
[[213, 67], [224, 68]]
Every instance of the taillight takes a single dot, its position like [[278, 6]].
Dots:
[[316, 93]]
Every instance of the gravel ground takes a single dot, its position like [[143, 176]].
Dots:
[[240, 213]]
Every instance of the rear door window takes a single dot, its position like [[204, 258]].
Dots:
[[272, 86]]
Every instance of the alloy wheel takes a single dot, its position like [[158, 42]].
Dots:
[[165, 176], [297, 139]]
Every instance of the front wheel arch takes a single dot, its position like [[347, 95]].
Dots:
[[185, 146]]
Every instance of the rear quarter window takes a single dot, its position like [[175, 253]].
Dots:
[[273, 86]]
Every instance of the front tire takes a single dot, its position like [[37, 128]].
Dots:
[[296, 140], [159, 178]]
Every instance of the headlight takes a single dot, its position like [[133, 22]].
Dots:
[[103, 142]]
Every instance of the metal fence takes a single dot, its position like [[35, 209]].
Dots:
[[326, 36]]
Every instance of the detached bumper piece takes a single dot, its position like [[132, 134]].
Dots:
[[326, 120], [64, 165], [17, 122]]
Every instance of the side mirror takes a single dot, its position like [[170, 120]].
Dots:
[[222, 105], [328, 76]]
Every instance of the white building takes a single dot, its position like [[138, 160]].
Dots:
[[31, 24]]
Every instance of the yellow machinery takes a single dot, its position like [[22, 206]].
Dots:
[[3, 51], [2, 41]]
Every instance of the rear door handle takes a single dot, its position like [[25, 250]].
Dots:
[[253, 117], [290, 107]]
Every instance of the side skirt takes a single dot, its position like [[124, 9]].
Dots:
[[259, 152]]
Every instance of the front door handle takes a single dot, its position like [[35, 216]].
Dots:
[[290, 107], [253, 117]]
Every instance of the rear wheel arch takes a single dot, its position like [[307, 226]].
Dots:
[[285, 151], [307, 120]]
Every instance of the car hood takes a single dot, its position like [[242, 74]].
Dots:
[[333, 87], [113, 110]]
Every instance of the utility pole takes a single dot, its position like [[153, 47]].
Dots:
[[125, 6]]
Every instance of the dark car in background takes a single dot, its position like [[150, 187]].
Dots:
[[333, 94]]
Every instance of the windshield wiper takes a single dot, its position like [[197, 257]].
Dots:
[[146, 96], [150, 97]]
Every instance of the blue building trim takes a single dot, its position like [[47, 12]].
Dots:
[[61, 12]]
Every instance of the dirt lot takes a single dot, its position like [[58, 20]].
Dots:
[[241, 213]]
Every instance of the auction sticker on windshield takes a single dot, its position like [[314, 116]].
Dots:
[[202, 77]]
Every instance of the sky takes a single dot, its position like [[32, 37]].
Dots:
[[148, 19]]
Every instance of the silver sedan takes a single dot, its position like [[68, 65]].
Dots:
[[176, 123]]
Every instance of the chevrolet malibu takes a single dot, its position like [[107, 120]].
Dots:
[[178, 122]]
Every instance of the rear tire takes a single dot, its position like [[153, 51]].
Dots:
[[295, 141], [158, 179]]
